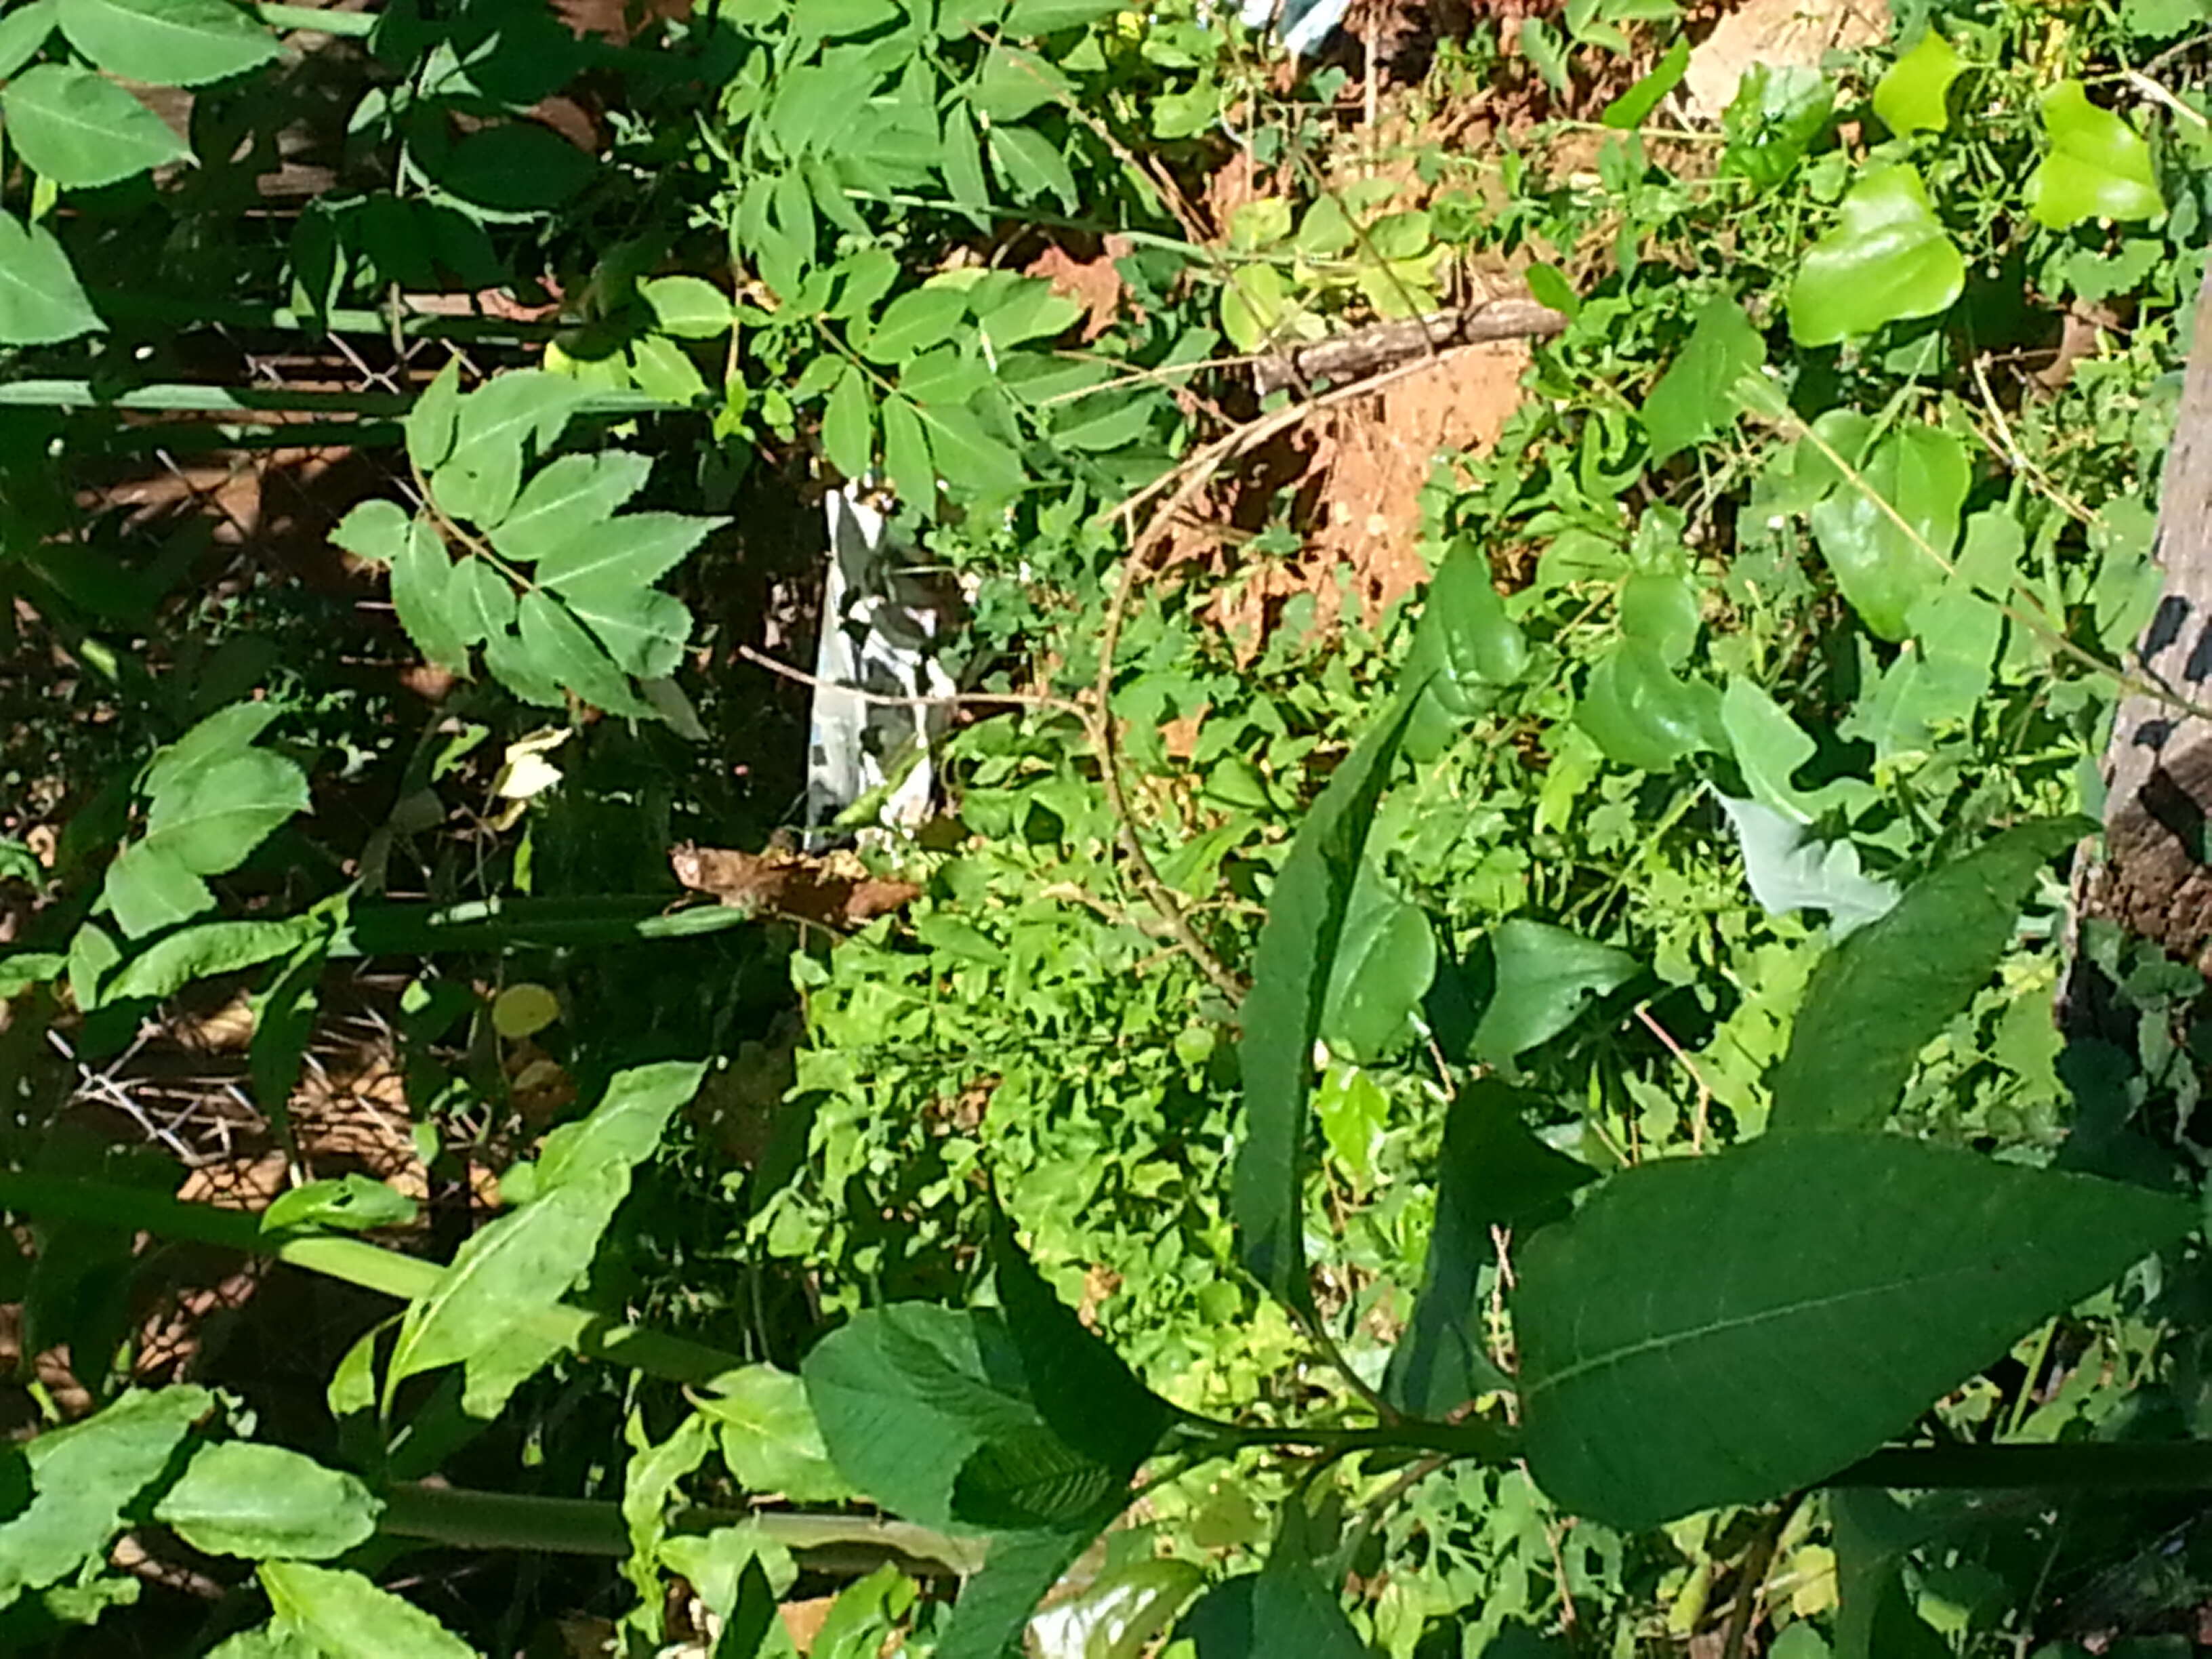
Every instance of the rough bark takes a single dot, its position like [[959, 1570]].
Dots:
[[1383, 345]]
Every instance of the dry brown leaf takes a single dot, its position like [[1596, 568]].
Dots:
[[834, 891]]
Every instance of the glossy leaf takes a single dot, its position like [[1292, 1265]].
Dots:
[[1545, 977], [624, 1128], [1492, 1172], [347, 1616], [1282, 1013], [2098, 167], [1783, 1307], [167, 43], [1641, 713], [41, 301], [1883, 568], [81, 1478], [239, 1499], [82, 131], [1695, 398], [1880, 997], [1386, 958], [1913, 92], [564, 498], [1121, 1614], [1886, 260], [351, 1202], [769, 1437]]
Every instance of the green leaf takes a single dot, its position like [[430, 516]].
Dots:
[[1545, 977], [1282, 1012], [556, 647], [1874, 1537], [238, 1499], [480, 604], [769, 1437], [1018, 1573], [689, 307], [517, 166], [431, 422], [1478, 645], [348, 1617], [1695, 398], [1913, 92], [1386, 958], [1027, 19], [643, 629], [424, 595], [1641, 713], [350, 1203], [1630, 109], [517, 1266], [479, 481], [490, 1376], [266, 1641], [1492, 1172], [662, 369], [906, 455], [23, 33], [635, 549], [167, 43], [1788, 868], [203, 821], [969, 455], [566, 500], [169, 965], [1032, 165], [1033, 1480], [1880, 997], [1888, 259], [2098, 167], [1728, 1328], [962, 163], [914, 322], [82, 131], [1123, 1613], [1883, 568], [624, 1128], [41, 301], [81, 1478], [1353, 1112], [1014, 84], [848, 425], [1285, 1608]]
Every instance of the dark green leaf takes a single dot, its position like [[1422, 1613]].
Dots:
[[556, 647], [1643, 714], [914, 322], [1887, 991], [1545, 977], [1386, 958], [1728, 1328], [1492, 1173], [1020, 1570], [348, 1617], [1695, 398], [1028, 18], [82, 131], [517, 166], [238, 1499], [41, 301], [167, 43], [1283, 1012], [430, 423], [643, 629]]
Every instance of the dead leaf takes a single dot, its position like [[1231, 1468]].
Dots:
[[1092, 283], [834, 891]]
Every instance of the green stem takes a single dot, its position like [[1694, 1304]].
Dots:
[[185, 398], [213, 314], [578, 1525], [354, 24], [506, 924], [592, 1336]]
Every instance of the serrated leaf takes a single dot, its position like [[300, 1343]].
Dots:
[[995, 1605], [422, 593], [82, 131], [167, 43], [1883, 568], [372, 530], [1545, 977], [41, 301], [347, 1616], [1883, 995], [1783, 1307], [961, 161], [849, 424], [238, 1499], [479, 480], [1913, 92], [429, 424], [1886, 260], [2098, 167], [563, 497], [1695, 398], [202, 822], [1032, 166], [1282, 1013], [636, 548], [643, 629], [971, 457], [556, 647], [914, 322], [480, 604]]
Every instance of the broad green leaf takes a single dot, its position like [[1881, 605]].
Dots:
[[516, 167], [348, 1617], [1033, 1480], [961, 161], [266, 1641], [556, 647], [372, 530], [214, 947], [1913, 93], [23, 33], [769, 1437], [1030, 311], [1695, 398], [82, 131], [729, 1564], [1545, 977], [41, 301], [1888, 259], [479, 603], [1880, 997], [849, 424], [1789, 869], [1019, 1570], [21, 969], [167, 43], [1769, 748], [490, 1376], [517, 1266], [350, 1202], [1778, 110], [651, 1480], [689, 307], [2098, 167], [643, 629], [1352, 1112], [202, 822], [514, 666], [1028, 18], [1284, 1608], [1875, 1536], [906, 456], [970, 454], [1728, 1328], [1386, 958], [430, 423], [1014, 84], [624, 1128], [662, 369], [479, 479], [1643, 714], [637, 549], [1478, 644], [238, 1499], [1032, 166], [423, 594], [81, 1478], [914, 322], [905, 1394], [1492, 1172], [566, 496], [1121, 1614], [1884, 568], [1282, 1012], [1635, 105]]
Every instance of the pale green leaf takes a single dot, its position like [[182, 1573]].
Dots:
[[565, 495], [689, 307], [238, 1499], [2098, 167], [769, 1437], [82, 131], [1913, 94], [347, 1616], [41, 301], [167, 43], [622, 1130], [637, 549], [1886, 260]]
